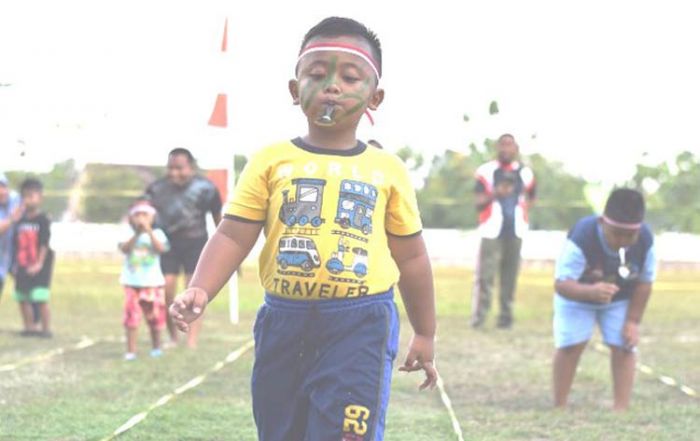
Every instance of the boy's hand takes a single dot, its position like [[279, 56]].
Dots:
[[34, 269], [603, 292], [17, 213], [421, 357], [630, 334], [188, 307]]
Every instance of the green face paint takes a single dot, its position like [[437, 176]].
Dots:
[[327, 118], [327, 81], [361, 97]]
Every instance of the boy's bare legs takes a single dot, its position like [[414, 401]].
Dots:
[[564, 369], [45, 314], [149, 314], [170, 285], [25, 309], [131, 334], [622, 363], [195, 326]]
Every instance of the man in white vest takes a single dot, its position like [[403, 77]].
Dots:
[[505, 188]]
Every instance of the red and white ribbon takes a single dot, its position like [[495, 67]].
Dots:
[[342, 47]]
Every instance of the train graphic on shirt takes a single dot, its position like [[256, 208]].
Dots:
[[305, 208]]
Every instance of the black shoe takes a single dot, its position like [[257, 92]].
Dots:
[[44, 334], [28, 333], [477, 323], [504, 324]]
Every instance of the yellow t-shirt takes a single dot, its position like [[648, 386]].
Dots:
[[327, 215]]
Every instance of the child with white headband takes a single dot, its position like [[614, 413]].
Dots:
[[342, 229], [142, 278]]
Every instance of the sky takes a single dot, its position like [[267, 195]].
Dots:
[[601, 85]]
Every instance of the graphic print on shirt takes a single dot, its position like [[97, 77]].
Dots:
[[356, 205], [347, 258], [356, 202], [27, 244], [142, 256], [298, 252], [306, 207]]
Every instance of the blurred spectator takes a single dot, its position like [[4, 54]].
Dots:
[[505, 188], [182, 199], [10, 212]]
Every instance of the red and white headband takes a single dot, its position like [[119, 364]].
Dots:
[[342, 47], [142, 208], [623, 225]]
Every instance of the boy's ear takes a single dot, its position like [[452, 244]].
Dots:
[[294, 91], [376, 99]]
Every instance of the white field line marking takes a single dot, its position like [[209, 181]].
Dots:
[[84, 342], [643, 368], [196, 381], [448, 404]]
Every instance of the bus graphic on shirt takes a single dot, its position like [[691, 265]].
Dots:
[[298, 251], [356, 205]]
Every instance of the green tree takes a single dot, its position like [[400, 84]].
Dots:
[[671, 193]]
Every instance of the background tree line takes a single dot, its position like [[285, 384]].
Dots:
[[102, 192]]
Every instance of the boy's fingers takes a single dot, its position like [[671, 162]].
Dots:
[[409, 364], [199, 302], [430, 375]]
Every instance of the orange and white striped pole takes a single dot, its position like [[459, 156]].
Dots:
[[219, 119]]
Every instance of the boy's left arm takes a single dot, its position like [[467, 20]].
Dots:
[[44, 236], [416, 286], [635, 311], [35, 268], [639, 300]]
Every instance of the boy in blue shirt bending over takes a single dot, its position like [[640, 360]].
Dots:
[[603, 276]]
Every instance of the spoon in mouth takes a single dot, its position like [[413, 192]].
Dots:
[[327, 117], [623, 271]]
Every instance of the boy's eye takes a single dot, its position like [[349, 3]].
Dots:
[[317, 75], [350, 79]]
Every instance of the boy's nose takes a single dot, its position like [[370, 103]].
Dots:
[[332, 88]]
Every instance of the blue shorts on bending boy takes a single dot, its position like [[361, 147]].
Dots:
[[342, 227], [603, 276]]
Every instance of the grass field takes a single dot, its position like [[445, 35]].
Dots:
[[499, 381]]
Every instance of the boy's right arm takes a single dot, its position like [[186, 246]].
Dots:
[[126, 247], [600, 292], [221, 256], [570, 266]]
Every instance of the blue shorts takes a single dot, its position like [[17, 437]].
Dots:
[[574, 321], [323, 368]]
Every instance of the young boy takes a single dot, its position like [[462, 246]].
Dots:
[[339, 218], [33, 260], [603, 276], [143, 279]]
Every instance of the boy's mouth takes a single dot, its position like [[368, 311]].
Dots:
[[327, 113]]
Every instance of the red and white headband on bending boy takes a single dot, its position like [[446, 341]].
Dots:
[[342, 47], [623, 225]]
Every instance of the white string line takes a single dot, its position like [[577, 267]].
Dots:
[[85, 342], [448, 404], [196, 381], [645, 369]]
